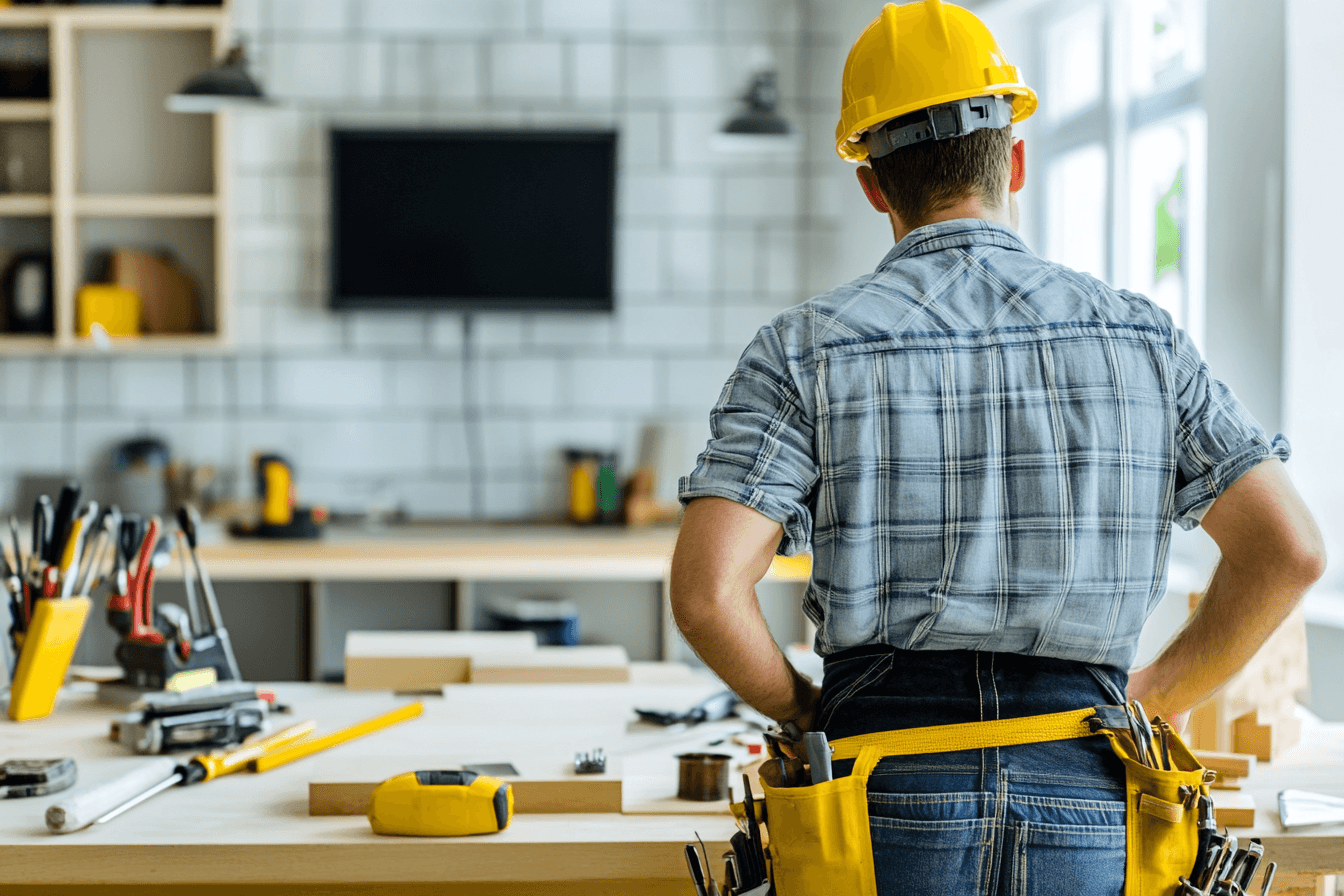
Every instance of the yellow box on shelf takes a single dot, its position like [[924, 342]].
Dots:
[[116, 308]]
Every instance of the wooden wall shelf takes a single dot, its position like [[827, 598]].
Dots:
[[125, 172]]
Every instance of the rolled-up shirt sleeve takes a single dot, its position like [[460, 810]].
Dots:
[[1218, 440], [760, 453]]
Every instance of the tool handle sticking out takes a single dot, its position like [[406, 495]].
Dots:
[[84, 808]]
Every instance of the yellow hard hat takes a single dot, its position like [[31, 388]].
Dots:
[[917, 56]]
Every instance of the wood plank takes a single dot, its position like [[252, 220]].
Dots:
[[25, 110], [185, 205], [553, 665], [423, 660], [1234, 810], [1237, 765]]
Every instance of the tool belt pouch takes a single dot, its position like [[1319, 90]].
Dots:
[[818, 834], [1161, 824]]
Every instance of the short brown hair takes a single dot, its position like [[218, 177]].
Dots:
[[928, 177]]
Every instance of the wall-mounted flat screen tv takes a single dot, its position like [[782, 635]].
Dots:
[[472, 220]]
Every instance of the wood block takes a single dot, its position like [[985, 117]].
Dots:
[[406, 661], [580, 793], [1303, 884], [1236, 765], [1265, 741], [1234, 810], [553, 665]]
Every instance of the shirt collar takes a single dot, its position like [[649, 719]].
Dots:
[[959, 233]]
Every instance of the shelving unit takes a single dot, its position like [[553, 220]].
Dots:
[[124, 172]]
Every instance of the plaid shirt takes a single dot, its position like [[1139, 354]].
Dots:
[[983, 450]]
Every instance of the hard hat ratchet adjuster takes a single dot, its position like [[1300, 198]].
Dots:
[[941, 122]]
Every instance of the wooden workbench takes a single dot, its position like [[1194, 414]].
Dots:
[[458, 555], [252, 833]]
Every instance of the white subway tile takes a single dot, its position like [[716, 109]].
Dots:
[[526, 70], [691, 133], [521, 383], [249, 197], [309, 70], [594, 71], [773, 196], [248, 16], [430, 17], [296, 326], [641, 193], [739, 323], [445, 332], [297, 198], [690, 195], [692, 72], [669, 16], [405, 330], [450, 448], [93, 383], [446, 498], [508, 447], [578, 15], [645, 71], [639, 259], [34, 384], [249, 382], [328, 384], [426, 383], [511, 499], [248, 326], [91, 442], [148, 384], [694, 384], [374, 445], [266, 434], [577, 329], [407, 68], [494, 330], [690, 259], [210, 384], [309, 16], [613, 383], [643, 143], [368, 69], [758, 17], [278, 137], [204, 441], [738, 260], [32, 445], [677, 327], [782, 265], [454, 71], [552, 436]]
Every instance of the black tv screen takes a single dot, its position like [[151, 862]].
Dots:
[[488, 220]]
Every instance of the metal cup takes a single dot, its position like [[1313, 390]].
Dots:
[[703, 777]]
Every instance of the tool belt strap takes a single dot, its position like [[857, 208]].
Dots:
[[970, 735]]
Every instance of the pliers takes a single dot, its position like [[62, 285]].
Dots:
[[140, 589]]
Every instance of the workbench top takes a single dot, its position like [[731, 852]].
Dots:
[[255, 829]]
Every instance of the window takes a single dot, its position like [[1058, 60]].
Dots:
[[1120, 146]]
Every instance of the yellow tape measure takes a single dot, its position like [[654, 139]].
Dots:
[[441, 804]]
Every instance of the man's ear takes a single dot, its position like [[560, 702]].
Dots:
[[868, 180], [1018, 179]]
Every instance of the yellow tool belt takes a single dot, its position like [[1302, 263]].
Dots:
[[819, 839]]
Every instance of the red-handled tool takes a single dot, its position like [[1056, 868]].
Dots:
[[141, 587]]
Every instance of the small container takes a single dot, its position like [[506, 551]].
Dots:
[[703, 777]]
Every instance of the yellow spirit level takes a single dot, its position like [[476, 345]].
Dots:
[[441, 804]]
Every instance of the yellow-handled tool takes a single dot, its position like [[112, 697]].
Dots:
[[287, 754], [208, 766]]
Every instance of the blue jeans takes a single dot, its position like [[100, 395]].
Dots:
[[1040, 819]]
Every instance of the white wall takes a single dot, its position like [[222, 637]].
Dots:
[[1314, 308]]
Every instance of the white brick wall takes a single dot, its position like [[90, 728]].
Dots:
[[370, 406]]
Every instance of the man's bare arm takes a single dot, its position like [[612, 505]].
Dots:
[[1271, 554], [723, 550]]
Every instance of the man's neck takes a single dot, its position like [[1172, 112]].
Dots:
[[969, 207]]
